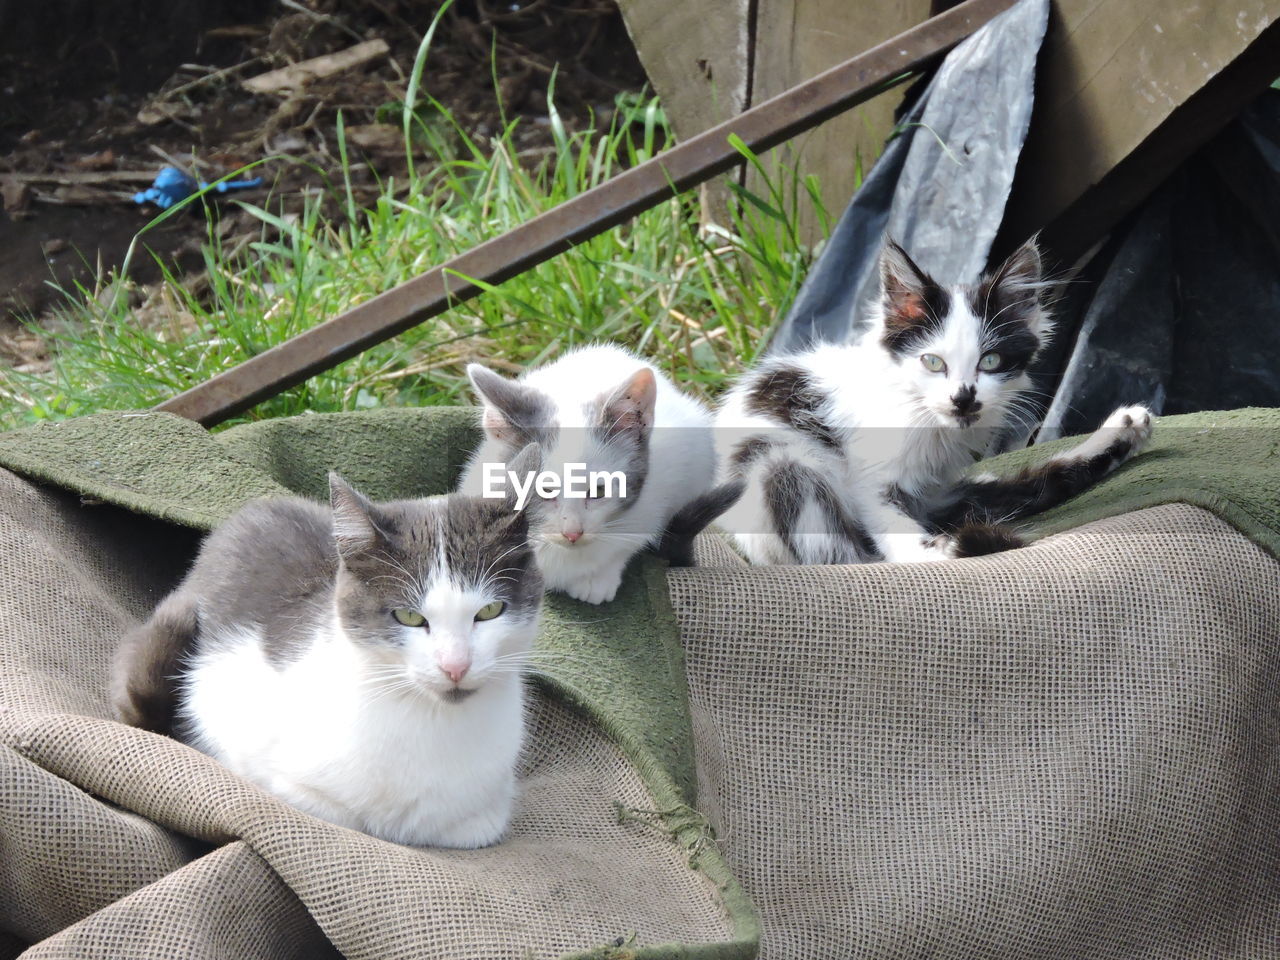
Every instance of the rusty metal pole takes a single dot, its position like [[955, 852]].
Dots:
[[579, 218]]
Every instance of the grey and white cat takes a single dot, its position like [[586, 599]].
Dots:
[[360, 661], [606, 409], [855, 452]]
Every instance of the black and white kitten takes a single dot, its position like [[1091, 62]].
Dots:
[[855, 453], [360, 661]]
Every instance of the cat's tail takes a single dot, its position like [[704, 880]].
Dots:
[[996, 500], [145, 673], [676, 545], [982, 539]]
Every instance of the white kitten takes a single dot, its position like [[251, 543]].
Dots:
[[605, 408]]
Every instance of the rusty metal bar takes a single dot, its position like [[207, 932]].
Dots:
[[579, 218]]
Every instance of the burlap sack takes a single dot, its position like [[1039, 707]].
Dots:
[[1068, 751], [591, 861], [1065, 751]]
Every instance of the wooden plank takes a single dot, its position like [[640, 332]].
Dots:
[[797, 39], [578, 219], [696, 56], [1125, 91]]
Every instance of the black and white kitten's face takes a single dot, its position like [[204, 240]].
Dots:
[[443, 594], [608, 434], [964, 350]]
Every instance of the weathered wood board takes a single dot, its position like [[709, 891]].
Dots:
[[1126, 89], [696, 54], [797, 39], [710, 60]]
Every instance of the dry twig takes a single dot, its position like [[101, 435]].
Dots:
[[297, 75]]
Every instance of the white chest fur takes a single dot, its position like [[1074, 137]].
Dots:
[[326, 734]]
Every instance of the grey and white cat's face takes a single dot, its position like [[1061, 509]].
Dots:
[[441, 595], [964, 350], [606, 434]]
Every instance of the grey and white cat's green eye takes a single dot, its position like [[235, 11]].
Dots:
[[490, 610], [407, 617], [989, 362], [933, 363]]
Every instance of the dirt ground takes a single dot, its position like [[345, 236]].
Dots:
[[88, 117]]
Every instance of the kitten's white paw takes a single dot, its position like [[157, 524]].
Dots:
[[1131, 423], [944, 545], [482, 829], [911, 548], [1122, 435], [595, 588]]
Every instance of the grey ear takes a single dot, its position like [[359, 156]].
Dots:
[[513, 412], [629, 411], [490, 388], [355, 529], [903, 287]]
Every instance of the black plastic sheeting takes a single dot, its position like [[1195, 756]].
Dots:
[[1180, 308], [941, 185]]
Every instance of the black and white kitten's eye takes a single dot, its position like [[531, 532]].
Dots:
[[933, 363], [990, 362], [407, 617], [491, 610], [596, 492]]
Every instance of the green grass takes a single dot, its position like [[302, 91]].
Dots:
[[700, 301]]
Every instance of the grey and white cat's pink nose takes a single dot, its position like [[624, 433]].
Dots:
[[454, 667], [571, 533]]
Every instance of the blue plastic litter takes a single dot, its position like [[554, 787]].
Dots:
[[172, 186]]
